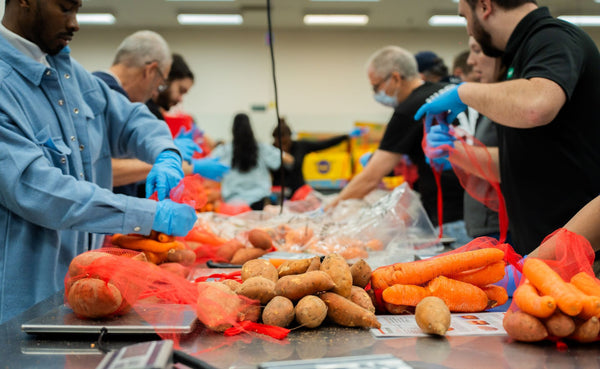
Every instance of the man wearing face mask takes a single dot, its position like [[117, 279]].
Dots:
[[396, 83]]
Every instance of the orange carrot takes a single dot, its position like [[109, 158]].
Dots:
[[488, 274], [144, 244], [419, 272], [204, 236], [404, 294], [586, 283], [161, 237], [458, 296], [496, 295], [590, 304], [548, 282], [529, 301]]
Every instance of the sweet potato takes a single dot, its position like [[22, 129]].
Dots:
[[218, 307], [260, 239], [524, 327], [257, 288], [361, 273], [259, 268], [278, 312], [175, 268], [296, 286], [433, 316], [290, 267], [244, 254], [79, 262], [182, 256], [310, 311], [348, 314], [315, 264], [226, 251], [94, 298], [360, 297], [586, 330], [251, 312], [231, 283], [339, 271], [398, 309], [559, 324]]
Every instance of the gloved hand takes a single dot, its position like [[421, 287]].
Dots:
[[174, 219], [357, 132], [164, 175], [449, 102], [439, 140], [441, 163], [210, 168], [512, 278], [364, 158], [186, 145]]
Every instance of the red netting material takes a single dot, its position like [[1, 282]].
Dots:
[[473, 165]]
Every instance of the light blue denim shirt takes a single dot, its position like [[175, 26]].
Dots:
[[59, 128], [253, 185]]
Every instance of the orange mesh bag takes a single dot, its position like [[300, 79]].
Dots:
[[558, 298], [473, 165], [190, 191], [109, 282], [466, 278]]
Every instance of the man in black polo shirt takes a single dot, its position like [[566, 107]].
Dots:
[[396, 83], [548, 132]]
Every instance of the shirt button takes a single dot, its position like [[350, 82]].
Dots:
[[76, 111], [63, 160], [137, 229], [73, 138], [67, 75], [81, 175], [48, 73], [61, 102], [81, 147]]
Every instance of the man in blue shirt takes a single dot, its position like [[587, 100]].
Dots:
[[60, 126]]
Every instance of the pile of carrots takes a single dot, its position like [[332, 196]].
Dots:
[[462, 280], [552, 307]]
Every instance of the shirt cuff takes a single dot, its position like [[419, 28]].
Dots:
[[139, 215]]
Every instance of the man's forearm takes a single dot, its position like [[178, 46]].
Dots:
[[479, 161], [358, 187], [127, 171]]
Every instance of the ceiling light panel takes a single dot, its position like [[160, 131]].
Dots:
[[96, 18], [336, 19], [447, 21], [210, 19]]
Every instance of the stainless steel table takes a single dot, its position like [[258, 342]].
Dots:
[[22, 350]]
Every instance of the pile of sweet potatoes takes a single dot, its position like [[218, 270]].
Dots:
[[546, 306], [307, 291]]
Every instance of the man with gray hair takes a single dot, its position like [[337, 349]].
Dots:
[[139, 71], [395, 79]]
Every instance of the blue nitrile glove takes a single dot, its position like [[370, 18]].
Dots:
[[364, 158], [164, 175], [357, 132], [449, 102], [439, 135], [512, 278], [210, 168], [439, 163], [186, 145], [174, 219]]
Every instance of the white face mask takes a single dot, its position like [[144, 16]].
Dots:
[[385, 99]]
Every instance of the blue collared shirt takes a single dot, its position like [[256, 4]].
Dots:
[[59, 128]]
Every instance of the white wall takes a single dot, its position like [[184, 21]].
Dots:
[[321, 74]]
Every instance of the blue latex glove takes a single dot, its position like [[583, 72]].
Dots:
[[512, 278], [449, 102], [210, 168], [164, 175], [364, 158], [174, 219], [439, 135], [439, 163], [357, 132], [186, 145]]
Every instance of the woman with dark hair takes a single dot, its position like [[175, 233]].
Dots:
[[249, 180]]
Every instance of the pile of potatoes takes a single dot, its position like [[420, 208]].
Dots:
[[235, 252], [308, 291]]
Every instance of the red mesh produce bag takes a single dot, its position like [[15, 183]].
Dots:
[[557, 292], [474, 167], [190, 191], [142, 286]]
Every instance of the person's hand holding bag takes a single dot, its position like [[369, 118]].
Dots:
[[449, 102], [174, 219], [186, 145], [164, 175]]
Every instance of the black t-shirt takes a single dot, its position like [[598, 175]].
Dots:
[[550, 172], [404, 135], [293, 177]]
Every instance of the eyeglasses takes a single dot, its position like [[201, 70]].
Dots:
[[163, 81], [378, 85]]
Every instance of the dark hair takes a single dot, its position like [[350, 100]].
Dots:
[[504, 4], [460, 61], [285, 129], [180, 69], [245, 148], [438, 68]]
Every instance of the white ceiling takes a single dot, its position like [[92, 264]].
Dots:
[[395, 14]]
